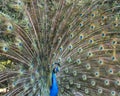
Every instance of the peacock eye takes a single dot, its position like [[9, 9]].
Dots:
[[86, 91], [59, 59], [69, 59], [59, 39], [78, 61], [81, 24], [62, 90], [113, 93], [13, 16], [114, 42], [115, 24], [42, 4], [81, 14], [71, 82], [66, 70], [80, 50], [71, 35], [20, 44], [5, 49], [78, 86], [101, 48], [54, 54], [61, 49], [84, 77], [81, 37], [9, 27], [70, 47], [102, 17], [106, 82], [92, 27], [117, 82], [100, 62], [93, 83], [88, 67], [67, 87], [74, 73], [103, 34], [113, 58], [89, 54], [19, 2], [100, 90], [92, 15], [91, 41], [97, 74], [110, 71]]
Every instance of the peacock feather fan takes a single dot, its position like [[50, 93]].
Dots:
[[61, 47]]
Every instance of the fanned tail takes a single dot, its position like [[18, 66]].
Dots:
[[80, 38]]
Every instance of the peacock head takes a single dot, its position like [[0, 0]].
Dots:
[[56, 68]]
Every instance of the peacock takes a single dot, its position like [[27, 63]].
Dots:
[[61, 47]]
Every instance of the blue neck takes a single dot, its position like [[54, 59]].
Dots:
[[54, 86]]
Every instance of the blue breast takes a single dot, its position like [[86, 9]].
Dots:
[[54, 86]]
